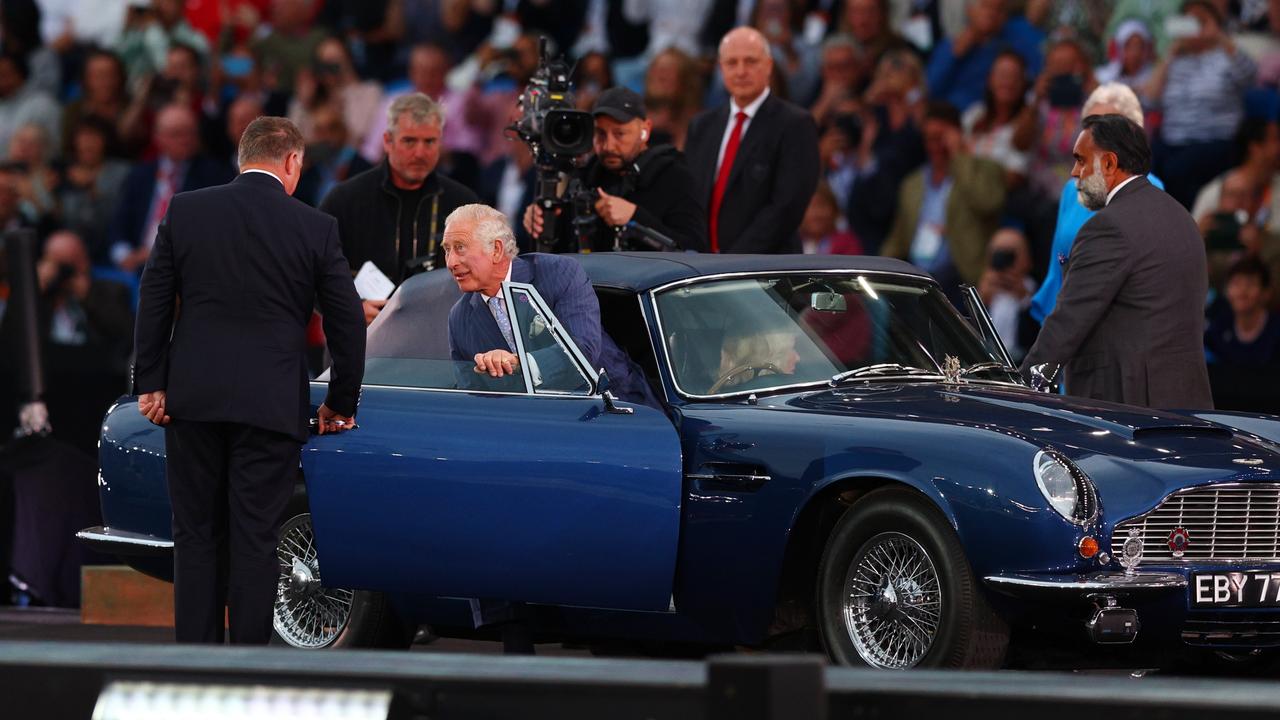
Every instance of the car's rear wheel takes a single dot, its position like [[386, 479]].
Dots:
[[311, 616], [895, 591]]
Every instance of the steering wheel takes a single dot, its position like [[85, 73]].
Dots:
[[755, 371]]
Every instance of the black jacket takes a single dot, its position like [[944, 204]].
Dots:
[[772, 178], [249, 263], [367, 208], [660, 185]]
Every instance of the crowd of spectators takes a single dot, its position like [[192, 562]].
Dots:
[[945, 127]]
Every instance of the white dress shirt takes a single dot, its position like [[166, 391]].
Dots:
[[751, 111], [264, 172], [1116, 189]]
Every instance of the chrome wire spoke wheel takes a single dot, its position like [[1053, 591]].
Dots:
[[307, 614], [892, 604]]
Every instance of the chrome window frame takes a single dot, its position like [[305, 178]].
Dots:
[[660, 341], [561, 334]]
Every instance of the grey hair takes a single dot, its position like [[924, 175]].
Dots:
[[419, 107], [1117, 95], [489, 226], [841, 40], [269, 140]]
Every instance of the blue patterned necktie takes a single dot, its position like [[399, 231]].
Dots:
[[504, 321]]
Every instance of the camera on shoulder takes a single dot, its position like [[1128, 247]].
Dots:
[[558, 134]]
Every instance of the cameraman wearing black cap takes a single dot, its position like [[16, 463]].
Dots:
[[632, 185]]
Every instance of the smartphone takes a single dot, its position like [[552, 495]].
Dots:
[[1003, 259], [506, 30], [1178, 27], [1065, 91], [1224, 231]]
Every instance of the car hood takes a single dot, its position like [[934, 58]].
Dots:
[[1146, 452], [1135, 456]]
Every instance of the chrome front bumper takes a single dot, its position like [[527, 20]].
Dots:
[[1087, 584]]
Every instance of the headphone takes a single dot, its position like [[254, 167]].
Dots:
[[644, 134]]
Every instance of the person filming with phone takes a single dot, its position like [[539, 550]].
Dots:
[[1006, 288], [1199, 85], [1046, 127]]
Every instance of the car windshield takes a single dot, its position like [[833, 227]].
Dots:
[[727, 336]]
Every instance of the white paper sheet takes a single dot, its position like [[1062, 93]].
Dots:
[[371, 284]]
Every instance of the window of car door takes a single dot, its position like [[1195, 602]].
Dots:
[[535, 330]]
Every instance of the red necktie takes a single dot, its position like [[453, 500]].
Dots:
[[722, 178], [164, 193]]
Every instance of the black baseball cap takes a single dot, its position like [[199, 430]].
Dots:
[[620, 103]]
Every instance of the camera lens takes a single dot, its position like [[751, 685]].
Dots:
[[566, 133]]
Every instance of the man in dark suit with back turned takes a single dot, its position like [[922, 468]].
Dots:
[[246, 264], [1129, 322], [755, 162]]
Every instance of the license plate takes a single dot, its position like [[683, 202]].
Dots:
[[1248, 589]]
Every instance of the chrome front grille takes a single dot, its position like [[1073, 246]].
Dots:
[[1229, 522]]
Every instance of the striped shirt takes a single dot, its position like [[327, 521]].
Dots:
[[1203, 97]]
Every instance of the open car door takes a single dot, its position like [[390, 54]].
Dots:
[[535, 487]]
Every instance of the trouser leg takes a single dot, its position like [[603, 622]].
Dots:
[[263, 469], [195, 461]]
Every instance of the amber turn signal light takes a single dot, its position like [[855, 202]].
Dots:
[[1088, 547]]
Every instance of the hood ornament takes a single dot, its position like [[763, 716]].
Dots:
[[951, 369]]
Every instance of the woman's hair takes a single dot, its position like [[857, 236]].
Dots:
[[689, 96], [989, 100]]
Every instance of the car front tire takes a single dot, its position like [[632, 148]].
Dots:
[[895, 591], [310, 616]]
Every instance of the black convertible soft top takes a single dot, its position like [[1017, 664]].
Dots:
[[414, 323]]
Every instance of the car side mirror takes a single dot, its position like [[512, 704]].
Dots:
[[604, 388]]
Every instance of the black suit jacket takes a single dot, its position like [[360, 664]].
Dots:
[[772, 179], [1129, 323], [247, 263]]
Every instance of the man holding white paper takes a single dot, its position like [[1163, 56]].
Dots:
[[391, 217]]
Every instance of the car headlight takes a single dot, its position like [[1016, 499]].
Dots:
[[1066, 487]]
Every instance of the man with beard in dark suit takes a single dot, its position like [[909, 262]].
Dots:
[[1129, 323], [228, 377], [755, 162]]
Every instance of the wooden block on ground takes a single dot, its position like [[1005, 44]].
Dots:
[[120, 595]]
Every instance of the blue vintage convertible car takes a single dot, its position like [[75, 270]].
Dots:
[[840, 455]]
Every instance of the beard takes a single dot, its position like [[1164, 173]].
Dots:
[[1092, 191]]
